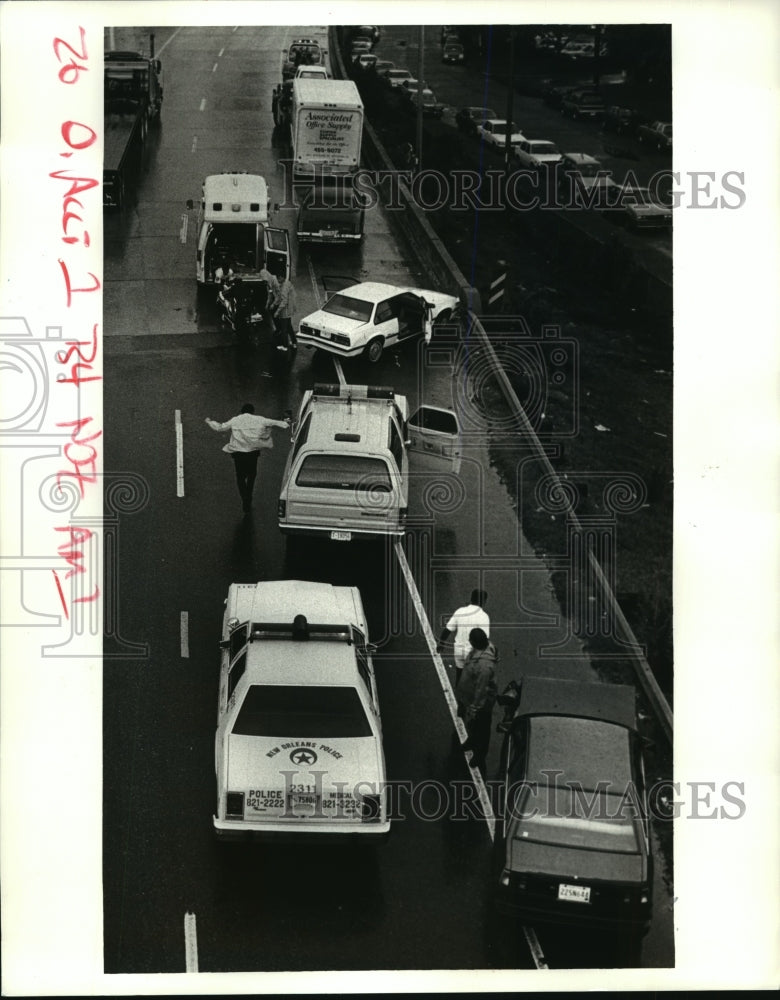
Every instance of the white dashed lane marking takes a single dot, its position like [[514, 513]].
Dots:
[[190, 943]]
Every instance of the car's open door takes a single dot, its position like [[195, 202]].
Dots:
[[435, 433], [276, 250], [427, 320]]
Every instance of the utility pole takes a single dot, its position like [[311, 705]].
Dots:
[[598, 45], [510, 102], [420, 72]]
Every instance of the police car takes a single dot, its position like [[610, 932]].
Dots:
[[368, 317], [347, 473], [299, 735]]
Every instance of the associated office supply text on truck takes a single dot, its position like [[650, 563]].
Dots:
[[327, 127]]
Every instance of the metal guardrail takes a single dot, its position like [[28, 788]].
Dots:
[[433, 255]]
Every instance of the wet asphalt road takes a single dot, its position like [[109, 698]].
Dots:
[[419, 901]]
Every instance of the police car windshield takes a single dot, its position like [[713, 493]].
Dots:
[[345, 472], [349, 307], [298, 712]]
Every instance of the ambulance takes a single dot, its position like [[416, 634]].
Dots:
[[234, 230]]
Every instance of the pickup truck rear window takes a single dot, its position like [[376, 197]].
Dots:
[[344, 472]]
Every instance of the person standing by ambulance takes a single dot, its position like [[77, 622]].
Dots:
[[284, 312], [272, 297]]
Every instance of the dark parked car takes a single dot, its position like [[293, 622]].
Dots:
[[582, 104], [358, 47], [467, 119], [553, 92], [641, 208], [620, 120], [453, 53], [370, 31], [658, 134], [381, 65], [572, 835], [583, 182], [430, 106]]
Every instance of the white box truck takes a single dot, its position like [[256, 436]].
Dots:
[[326, 128]]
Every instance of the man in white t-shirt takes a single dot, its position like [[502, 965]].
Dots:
[[461, 622]]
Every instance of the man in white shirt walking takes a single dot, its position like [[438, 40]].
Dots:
[[462, 621], [249, 434]]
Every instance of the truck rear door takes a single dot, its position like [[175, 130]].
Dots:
[[276, 252], [435, 433]]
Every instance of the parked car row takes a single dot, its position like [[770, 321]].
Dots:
[[580, 177], [401, 82], [570, 47], [583, 100]]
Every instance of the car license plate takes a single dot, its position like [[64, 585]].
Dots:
[[341, 536], [325, 334], [329, 232], [574, 893]]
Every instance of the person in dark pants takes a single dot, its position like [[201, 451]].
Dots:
[[284, 312], [476, 695], [249, 435]]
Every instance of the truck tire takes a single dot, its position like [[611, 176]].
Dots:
[[374, 349]]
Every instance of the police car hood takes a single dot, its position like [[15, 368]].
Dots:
[[271, 763]]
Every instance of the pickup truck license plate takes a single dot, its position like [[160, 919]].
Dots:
[[574, 893], [341, 536]]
